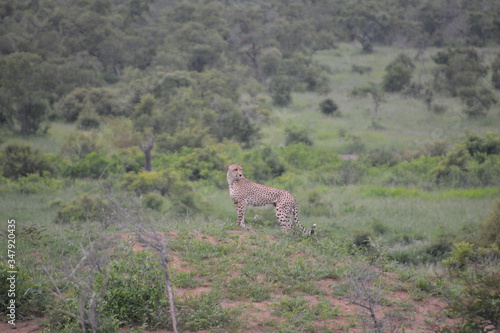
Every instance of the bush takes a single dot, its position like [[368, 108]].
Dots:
[[19, 160], [153, 201], [204, 312], [398, 74], [477, 303], [163, 182], [489, 229], [281, 91], [80, 144], [294, 135], [329, 108], [94, 165], [477, 100], [83, 209], [31, 297], [136, 292]]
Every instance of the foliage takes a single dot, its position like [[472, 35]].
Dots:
[[80, 144], [495, 68], [93, 165], [19, 160], [477, 101], [458, 69], [329, 108], [164, 182], [478, 303], [296, 135], [22, 90], [135, 291], [281, 91], [204, 312], [472, 163], [398, 73], [489, 229], [31, 296], [153, 201], [82, 209]]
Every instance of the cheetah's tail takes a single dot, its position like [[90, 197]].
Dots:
[[301, 227]]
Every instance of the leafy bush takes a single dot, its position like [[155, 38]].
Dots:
[[477, 100], [457, 69], [489, 229], [153, 201], [19, 160], [294, 135], [281, 91], [136, 292], [495, 67], [329, 107], [83, 209], [164, 182], [477, 304], [398, 73], [31, 297], [204, 312], [80, 144], [93, 165]]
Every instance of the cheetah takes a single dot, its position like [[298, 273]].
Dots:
[[245, 193]]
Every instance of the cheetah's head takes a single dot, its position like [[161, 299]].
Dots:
[[234, 172]]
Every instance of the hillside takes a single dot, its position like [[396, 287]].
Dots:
[[381, 118]]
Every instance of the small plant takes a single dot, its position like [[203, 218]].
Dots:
[[294, 135], [19, 160], [153, 201], [329, 108]]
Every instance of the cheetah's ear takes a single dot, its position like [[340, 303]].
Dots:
[[226, 167]]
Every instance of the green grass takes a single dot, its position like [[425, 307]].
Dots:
[[294, 279], [406, 122]]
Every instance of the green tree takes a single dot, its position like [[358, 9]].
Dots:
[[18, 160], [457, 69], [398, 73], [24, 106], [495, 67], [329, 108]]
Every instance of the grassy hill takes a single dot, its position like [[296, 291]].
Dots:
[[384, 221]]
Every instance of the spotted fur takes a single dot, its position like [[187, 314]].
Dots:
[[245, 193]]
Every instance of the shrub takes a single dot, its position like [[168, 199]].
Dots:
[[83, 209], [144, 182], [281, 91], [88, 119], [294, 135], [478, 302], [204, 312], [329, 107], [153, 201], [93, 165], [136, 292], [31, 297], [19, 160], [489, 229], [398, 74], [477, 101], [80, 144], [495, 67]]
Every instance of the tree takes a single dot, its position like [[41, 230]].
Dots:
[[18, 160], [329, 107], [458, 68], [24, 106], [145, 118], [398, 73], [374, 91], [495, 67]]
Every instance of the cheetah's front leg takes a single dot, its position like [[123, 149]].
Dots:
[[240, 212]]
